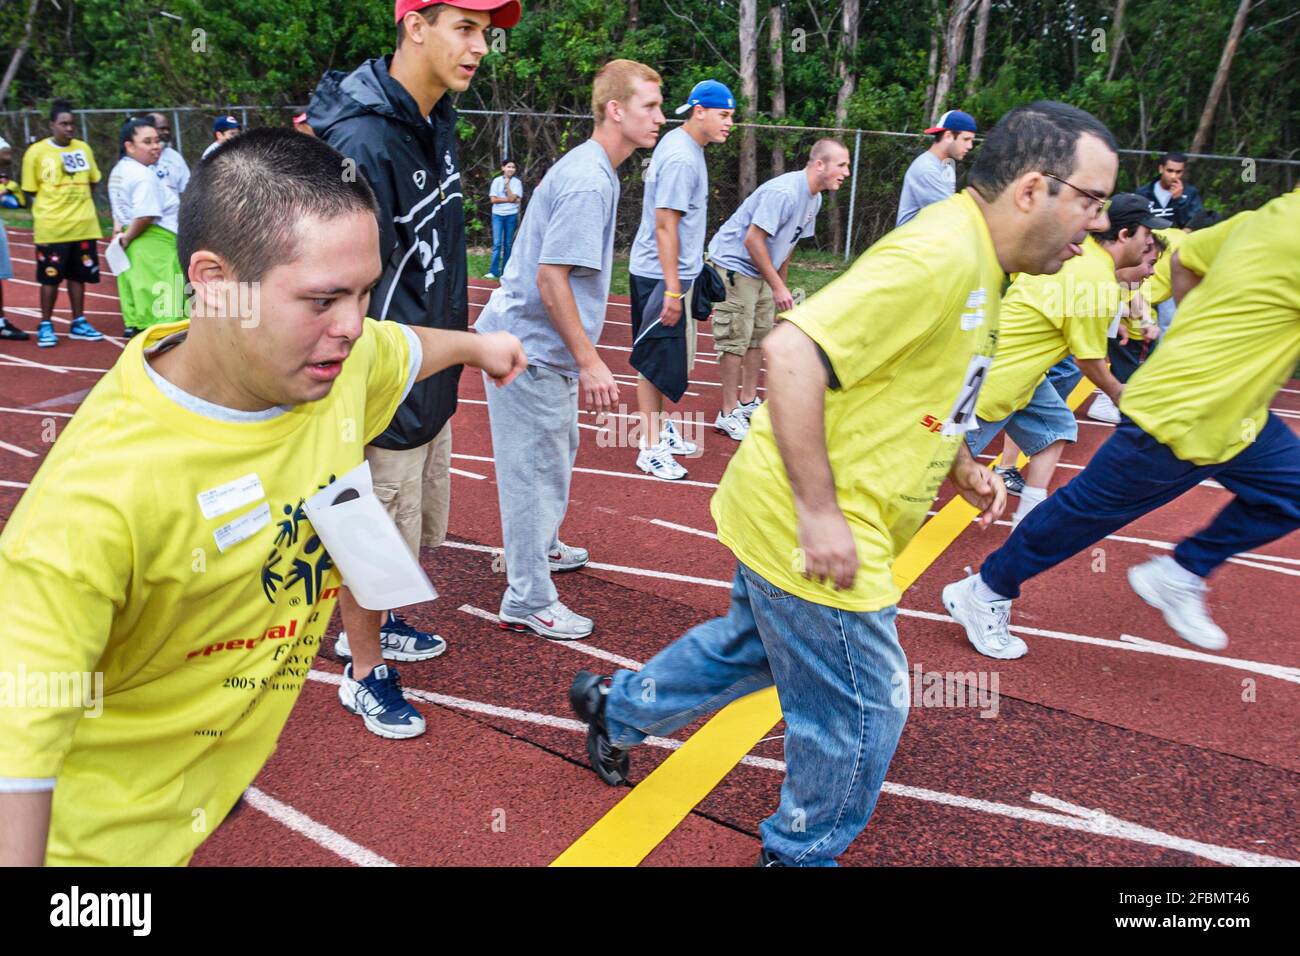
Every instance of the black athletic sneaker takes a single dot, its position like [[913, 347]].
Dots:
[[130, 332], [587, 696], [767, 858], [12, 332], [1012, 478]]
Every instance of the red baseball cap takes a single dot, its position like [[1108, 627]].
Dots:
[[505, 13]]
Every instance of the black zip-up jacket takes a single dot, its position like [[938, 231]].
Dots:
[[412, 165]]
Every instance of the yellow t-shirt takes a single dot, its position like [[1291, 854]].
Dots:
[[110, 566], [1044, 319], [61, 177], [909, 331], [1200, 247], [1158, 286], [1205, 392]]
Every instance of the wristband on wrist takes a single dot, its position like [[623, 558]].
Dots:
[[674, 295]]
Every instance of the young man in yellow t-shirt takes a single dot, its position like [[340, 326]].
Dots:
[[165, 593], [58, 174], [1197, 409], [872, 383]]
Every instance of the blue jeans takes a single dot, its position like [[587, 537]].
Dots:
[[1044, 421], [843, 684], [503, 239], [1133, 474]]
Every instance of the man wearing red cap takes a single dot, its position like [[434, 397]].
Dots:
[[932, 177], [393, 120]]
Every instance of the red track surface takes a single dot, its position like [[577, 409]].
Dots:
[[1165, 744]]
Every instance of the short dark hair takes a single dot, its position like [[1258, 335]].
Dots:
[[1173, 157], [1112, 232], [129, 129], [1043, 137], [430, 14], [938, 137], [58, 108], [245, 200]]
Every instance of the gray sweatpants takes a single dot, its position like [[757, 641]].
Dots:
[[535, 442]]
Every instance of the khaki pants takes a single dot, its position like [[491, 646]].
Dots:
[[414, 486], [743, 319]]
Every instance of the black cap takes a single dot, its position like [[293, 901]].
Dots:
[[1128, 210]]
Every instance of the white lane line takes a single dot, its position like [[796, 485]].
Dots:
[[17, 362], [313, 830], [580, 646], [16, 450], [1141, 645], [639, 572], [36, 411], [467, 474], [609, 474], [681, 527], [98, 295], [14, 484], [632, 380], [1238, 559], [1075, 818]]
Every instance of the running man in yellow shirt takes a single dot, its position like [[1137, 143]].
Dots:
[[872, 383], [58, 174], [164, 592], [1197, 409]]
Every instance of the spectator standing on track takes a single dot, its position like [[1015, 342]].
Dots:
[[176, 172], [11, 196], [224, 129], [1197, 409], [393, 118], [505, 194], [58, 174], [1172, 199], [836, 476], [140, 551], [667, 256], [146, 207], [553, 296], [1046, 318], [761, 233], [932, 177]]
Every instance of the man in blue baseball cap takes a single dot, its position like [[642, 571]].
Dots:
[[223, 128], [932, 177], [709, 94]]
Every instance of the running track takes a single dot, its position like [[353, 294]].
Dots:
[[1113, 742]]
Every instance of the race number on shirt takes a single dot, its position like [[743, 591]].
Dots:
[[962, 417], [75, 162]]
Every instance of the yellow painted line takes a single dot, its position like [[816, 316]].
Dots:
[[657, 805]]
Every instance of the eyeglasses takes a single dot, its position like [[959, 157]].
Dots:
[[1103, 204]]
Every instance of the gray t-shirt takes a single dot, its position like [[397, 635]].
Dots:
[[783, 208], [498, 189], [677, 178], [928, 180], [570, 221]]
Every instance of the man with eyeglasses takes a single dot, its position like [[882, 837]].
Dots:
[[1044, 319]]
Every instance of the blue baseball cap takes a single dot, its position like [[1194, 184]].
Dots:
[[710, 94], [223, 123], [954, 120]]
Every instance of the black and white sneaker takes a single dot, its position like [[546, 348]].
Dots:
[[12, 332], [1012, 478], [587, 695]]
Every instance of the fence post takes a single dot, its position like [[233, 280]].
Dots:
[[243, 116], [176, 130], [505, 137], [27, 130], [84, 135], [853, 193]]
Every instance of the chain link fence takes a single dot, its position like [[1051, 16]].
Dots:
[[861, 212]]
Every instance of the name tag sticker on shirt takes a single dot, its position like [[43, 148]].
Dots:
[[75, 162], [365, 545], [973, 317], [224, 499], [242, 528]]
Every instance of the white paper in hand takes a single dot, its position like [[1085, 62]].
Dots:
[[365, 545], [116, 256]]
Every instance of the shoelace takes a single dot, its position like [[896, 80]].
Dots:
[[1002, 615], [388, 692]]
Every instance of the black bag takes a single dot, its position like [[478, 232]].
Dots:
[[708, 290]]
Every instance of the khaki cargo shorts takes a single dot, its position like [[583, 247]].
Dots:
[[744, 318], [414, 486]]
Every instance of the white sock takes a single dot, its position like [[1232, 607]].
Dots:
[[1174, 570], [1030, 498], [985, 593]]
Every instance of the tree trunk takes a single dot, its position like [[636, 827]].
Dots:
[[1116, 38], [954, 42], [633, 13], [846, 69], [977, 48], [16, 60], [776, 49], [749, 91], [1221, 76], [936, 30]]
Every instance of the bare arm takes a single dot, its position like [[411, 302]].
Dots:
[[756, 246], [24, 827], [668, 245], [1181, 279], [499, 354], [796, 400], [136, 228], [1098, 373], [595, 380]]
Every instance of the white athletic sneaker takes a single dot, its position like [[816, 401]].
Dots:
[[1103, 409], [733, 425], [671, 439], [659, 461], [986, 622], [568, 558], [556, 622], [398, 641], [379, 702], [749, 408], [1181, 601]]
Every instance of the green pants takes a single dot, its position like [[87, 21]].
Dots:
[[149, 289]]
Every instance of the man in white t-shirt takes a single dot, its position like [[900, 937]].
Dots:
[[932, 177], [176, 171], [506, 193]]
